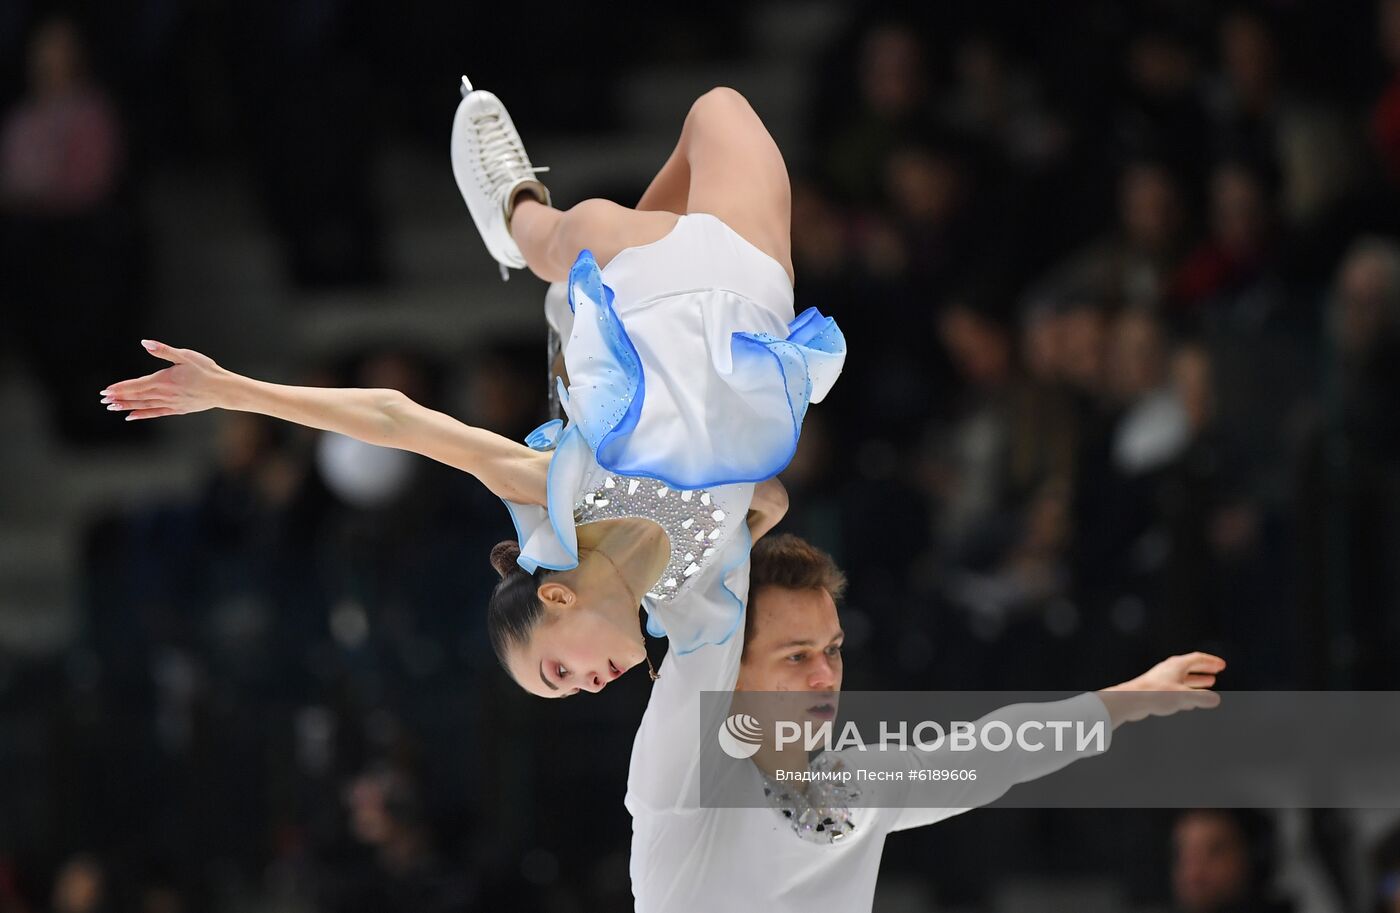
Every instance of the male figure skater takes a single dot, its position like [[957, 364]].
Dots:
[[687, 857]]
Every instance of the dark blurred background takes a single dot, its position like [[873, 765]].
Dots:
[[1121, 284]]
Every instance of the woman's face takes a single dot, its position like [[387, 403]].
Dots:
[[583, 642]]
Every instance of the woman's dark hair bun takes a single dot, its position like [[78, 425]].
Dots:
[[503, 556]]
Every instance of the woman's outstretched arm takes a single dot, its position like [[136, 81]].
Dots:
[[387, 418]]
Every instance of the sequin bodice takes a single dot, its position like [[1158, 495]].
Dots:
[[693, 521]]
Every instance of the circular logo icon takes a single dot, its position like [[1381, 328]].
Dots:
[[740, 736]]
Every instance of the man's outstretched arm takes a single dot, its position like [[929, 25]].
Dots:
[[1175, 684]]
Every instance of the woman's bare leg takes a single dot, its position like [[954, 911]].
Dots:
[[550, 239], [726, 164], [737, 172], [669, 191]]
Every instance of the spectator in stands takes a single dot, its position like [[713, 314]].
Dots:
[[1348, 503], [975, 494], [1213, 588], [1243, 234], [1260, 114], [1162, 114], [61, 149], [928, 188], [1222, 862], [1138, 430], [66, 255], [1133, 264], [1047, 452], [996, 100], [81, 886], [1083, 324], [1153, 428], [402, 872], [1001, 487], [892, 108]]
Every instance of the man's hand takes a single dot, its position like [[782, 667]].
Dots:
[[769, 505], [1176, 683]]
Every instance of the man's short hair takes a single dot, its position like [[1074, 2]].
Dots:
[[791, 563]]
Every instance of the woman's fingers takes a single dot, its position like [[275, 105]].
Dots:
[[161, 350], [121, 393], [179, 356], [152, 413], [126, 405], [135, 385], [169, 391]]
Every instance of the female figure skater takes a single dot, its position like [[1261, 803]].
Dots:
[[688, 375]]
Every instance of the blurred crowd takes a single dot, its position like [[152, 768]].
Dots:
[[1134, 302], [1121, 286]]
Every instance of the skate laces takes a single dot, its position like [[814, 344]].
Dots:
[[502, 155]]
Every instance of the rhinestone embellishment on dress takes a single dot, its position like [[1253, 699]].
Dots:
[[692, 522]]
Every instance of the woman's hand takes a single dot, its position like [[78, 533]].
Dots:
[[385, 418], [1176, 683], [193, 383]]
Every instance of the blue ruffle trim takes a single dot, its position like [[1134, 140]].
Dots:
[[624, 390], [544, 543], [808, 361]]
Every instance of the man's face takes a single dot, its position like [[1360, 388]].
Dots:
[[796, 647]]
